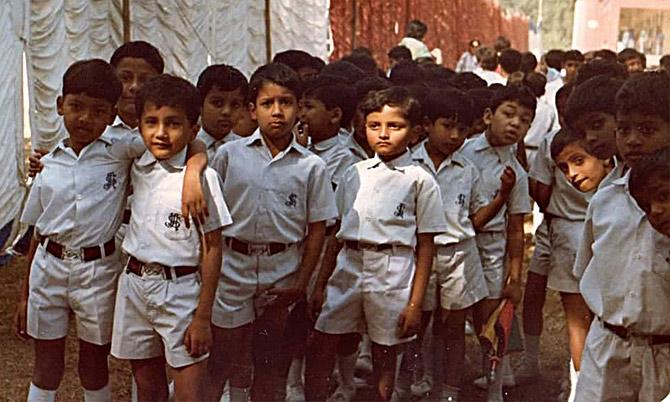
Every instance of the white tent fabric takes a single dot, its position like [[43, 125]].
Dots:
[[189, 33], [12, 36]]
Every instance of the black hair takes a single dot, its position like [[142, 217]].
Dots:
[[501, 44], [362, 50], [420, 92], [488, 59], [573, 54], [362, 61], [481, 100], [274, 73], [647, 93], [514, 93], [474, 43], [406, 73], [562, 96], [168, 90], [467, 81], [652, 167], [95, 78], [139, 50], [400, 52], [434, 71], [595, 95], [605, 54], [449, 104], [564, 138], [296, 59], [510, 60], [597, 67], [628, 54], [554, 58], [664, 62], [528, 62], [224, 77], [333, 93], [416, 29], [536, 82], [366, 85], [395, 97], [345, 70]]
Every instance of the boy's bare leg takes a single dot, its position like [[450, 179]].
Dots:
[[229, 359], [150, 378], [482, 311], [453, 334], [384, 360], [93, 366], [49, 363], [578, 317], [269, 364], [188, 381], [533, 302], [319, 363]]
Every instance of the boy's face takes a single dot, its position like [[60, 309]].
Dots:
[[321, 122], [599, 130], [571, 67], [446, 135], [307, 73], [634, 65], [221, 110], [508, 124], [245, 125], [583, 171], [133, 72], [639, 135], [656, 203], [275, 110], [388, 132], [166, 130], [85, 117]]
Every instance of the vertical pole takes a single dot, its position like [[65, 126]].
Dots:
[[354, 23], [125, 14], [268, 32]]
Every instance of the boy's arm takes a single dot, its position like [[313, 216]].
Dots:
[[193, 201], [540, 192], [486, 213], [198, 337], [328, 264], [514, 257], [21, 311], [410, 318]]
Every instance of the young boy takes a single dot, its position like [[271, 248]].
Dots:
[[280, 197], [165, 295], [622, 263], [500, 241], [632, 59], [650, 186], [389, 207], [223, 90]]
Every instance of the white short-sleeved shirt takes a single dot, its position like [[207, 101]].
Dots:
[[337, 157], [623, 263], [490, 162], [212, 144], [273, 199], [491, 77], [355, 148], [566, 201], [416, 47], [389, 202], [77, 201], [458, 180], [119, 130], [613, 175], [542, 125], [157, 233]]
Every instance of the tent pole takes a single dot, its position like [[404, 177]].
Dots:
[[268, 32], [125, 13]]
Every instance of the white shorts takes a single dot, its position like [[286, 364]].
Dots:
[[57, 287], [152, 315], [492, 250], [540, 262], [564, 236], [244, 280], [367, 291], [614, 369], [457, 270]]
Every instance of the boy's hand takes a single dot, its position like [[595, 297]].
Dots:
[[409, 321], [20, 319], [507, 181], [301, 131], [35, 165], [286, 296], [198, 337], [193, 201], [315, 304], [512, 291]]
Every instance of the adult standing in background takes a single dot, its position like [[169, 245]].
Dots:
[[468, 61]]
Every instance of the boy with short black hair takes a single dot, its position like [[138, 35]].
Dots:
[[632, 59], [369, 270], [398, 54], [303, 63], [488, 63], [650, 186], [223, 90], [280, 196], [510, 61], [572, 61], [620, 260], [357, 142]]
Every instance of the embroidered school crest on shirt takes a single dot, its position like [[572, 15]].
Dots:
[[292, 200], [399, 211], [110, 181], [460, 200], [174, 221]]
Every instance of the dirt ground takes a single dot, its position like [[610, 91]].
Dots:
[[16, 356]]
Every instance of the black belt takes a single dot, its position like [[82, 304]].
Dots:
[[330, 230], [256, 248], [625, 334], [358, 246], [85, 254], [126, 216], [140, 268]]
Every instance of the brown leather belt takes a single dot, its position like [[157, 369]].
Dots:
[[85, 254], [330, 230], [625, 334], [358, 246], [140, 268], [245, 248], [126, 216]]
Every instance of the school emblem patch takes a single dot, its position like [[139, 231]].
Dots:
[[110, 181], [460, 200], [399, 211], [291, 200], [174, 221]]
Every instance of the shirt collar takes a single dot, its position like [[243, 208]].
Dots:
[[64, 143], [177, 161], [326, 144], [257, 139], [421, 155], [399, 163], [119, 123]]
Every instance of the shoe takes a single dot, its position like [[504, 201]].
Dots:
[[469, 328], [364, 364], [526, 372], [421, 388], [482, 382], [341, 394], [295, 393]]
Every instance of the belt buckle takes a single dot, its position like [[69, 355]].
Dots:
[[258, 249], [72, 254], [152, 269]]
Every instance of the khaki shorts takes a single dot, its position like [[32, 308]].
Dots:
[[59, 286], [564, 236], [540, 262], [367, 292], [492, 250]]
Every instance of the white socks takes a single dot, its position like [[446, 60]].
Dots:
[[495, 391], [240, 394], [346, 366], [574, 375], [36, 394], [532, 344], [103, 394], [294, 378]]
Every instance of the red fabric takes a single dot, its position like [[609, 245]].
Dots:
[[451, 25]]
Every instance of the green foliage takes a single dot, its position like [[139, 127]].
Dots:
[[557, 18]]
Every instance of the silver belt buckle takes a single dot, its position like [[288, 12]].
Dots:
[[258, 249], [72, 254], [152, 269]]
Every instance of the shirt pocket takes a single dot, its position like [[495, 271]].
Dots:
[[394, 211], [170, 223], [101, 182], [288, 204]]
